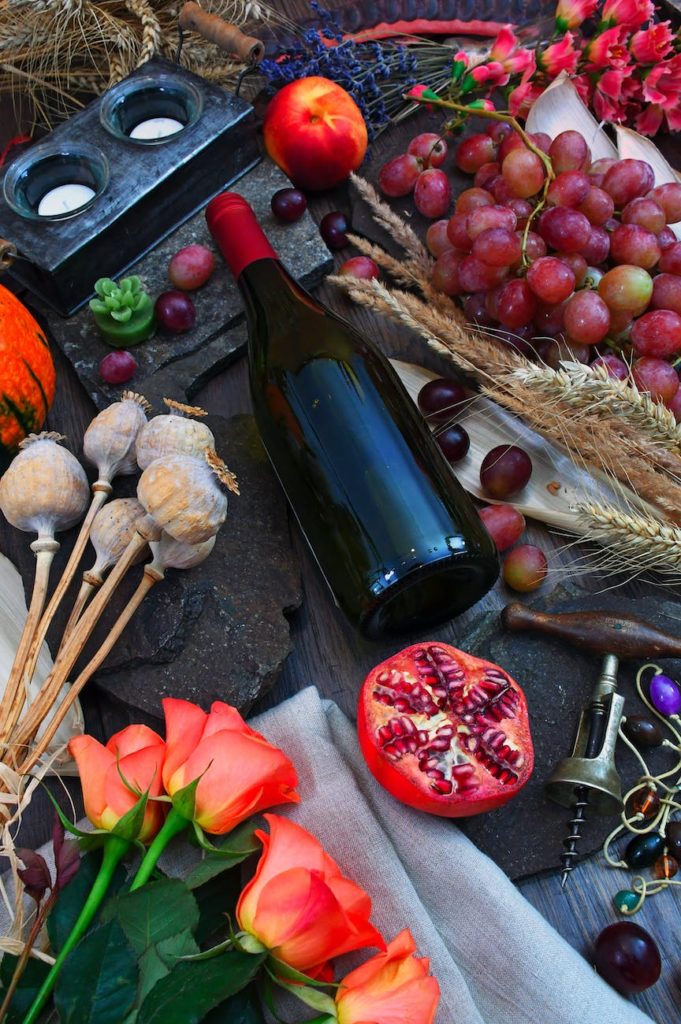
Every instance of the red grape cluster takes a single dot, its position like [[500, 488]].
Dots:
[[582, 267], [419, 171], [504, 472]]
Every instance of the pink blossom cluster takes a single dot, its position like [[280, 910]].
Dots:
[[628, 71]]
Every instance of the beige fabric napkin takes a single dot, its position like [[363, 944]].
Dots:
[[496, 958]]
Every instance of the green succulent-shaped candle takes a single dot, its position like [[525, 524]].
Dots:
[[124, 312]]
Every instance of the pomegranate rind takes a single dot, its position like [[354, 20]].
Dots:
[[445, 732]]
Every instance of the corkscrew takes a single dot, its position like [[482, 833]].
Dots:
[[588, 777]]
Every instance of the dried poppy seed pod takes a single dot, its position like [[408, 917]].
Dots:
[[174, 433], [45, 489], [112, 530], [110, 440], [182, 495], [175, 554]]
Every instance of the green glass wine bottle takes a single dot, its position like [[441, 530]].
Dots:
[[395, 535]]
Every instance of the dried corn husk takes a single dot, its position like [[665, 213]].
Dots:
[[12, 616]]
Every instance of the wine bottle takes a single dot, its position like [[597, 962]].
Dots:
[[395, 535]]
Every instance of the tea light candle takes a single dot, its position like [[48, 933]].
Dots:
[[64, 199], [156, 128]]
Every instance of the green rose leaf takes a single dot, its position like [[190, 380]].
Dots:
[[243, 1008], [98, 982], [194, 988], [231, 850], [158, 961], [158, 911], [72, 898], [29, 983]]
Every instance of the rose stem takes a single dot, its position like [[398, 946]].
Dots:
[[45, 549], [114, 851], [172, 826], [101, 491], [151, 576], [146, 530]]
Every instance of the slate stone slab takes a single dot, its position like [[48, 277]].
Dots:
[[525, 836], [178, 365], [215, 632]]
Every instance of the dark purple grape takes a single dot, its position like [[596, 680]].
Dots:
[[627, 957], [175, 312], [288, 204], [333, 229], [454, 442], [117, 367], [439, 399], [505, 470]]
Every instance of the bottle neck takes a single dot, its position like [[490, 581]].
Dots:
[[236, 231]]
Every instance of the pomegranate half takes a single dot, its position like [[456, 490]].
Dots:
[[445, 732]]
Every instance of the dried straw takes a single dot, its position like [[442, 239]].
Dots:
[[632, 541]]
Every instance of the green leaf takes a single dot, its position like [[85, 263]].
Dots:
[[130, 825], [243, 1008], [283, 971], [98, 982], [158, 961], [310, 996], [71, 900], [184, 801], [192, 989], [217, 900], [29, 983], [234, 848], [157, 911], [68, 825]]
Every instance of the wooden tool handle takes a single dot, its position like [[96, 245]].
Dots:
[[8, 254], [623, 635], [216, 30]]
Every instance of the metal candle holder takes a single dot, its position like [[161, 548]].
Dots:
[[143, 188]]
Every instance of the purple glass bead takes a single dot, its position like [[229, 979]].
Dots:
[[665, 695]]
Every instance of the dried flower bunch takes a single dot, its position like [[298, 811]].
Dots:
[[611, 431], [180, 506]]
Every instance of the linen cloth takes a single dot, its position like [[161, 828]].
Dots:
[[497, 960]]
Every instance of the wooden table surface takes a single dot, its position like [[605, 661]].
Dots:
[[330, 655]]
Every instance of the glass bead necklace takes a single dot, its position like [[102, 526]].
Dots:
[[649, 804]]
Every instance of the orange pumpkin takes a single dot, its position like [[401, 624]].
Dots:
[[27, 374]]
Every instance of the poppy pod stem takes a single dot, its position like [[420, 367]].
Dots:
[[173, 825], [114, 850]]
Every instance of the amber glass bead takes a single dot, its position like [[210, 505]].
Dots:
[[665, 867], [645, 802], [673, 836]]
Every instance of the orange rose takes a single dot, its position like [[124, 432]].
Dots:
[[136, 753], [299, 905], [240, 773], [391, 988]]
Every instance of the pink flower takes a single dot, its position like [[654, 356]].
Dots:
[[417, 91], [650, 119], [613, 83], [673, 119], [523, 96], [608, 49], [571, 13], [652, 44], [662, 84], [582, 84], [627, 13], [559, 57], [607, 109], [611, 95], [504, 60]]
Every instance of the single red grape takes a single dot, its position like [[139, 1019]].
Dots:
[[542, 141], [486, 175], [475, 151], [362, 267], [598, 206], [626, 289], [548, 319], [670, 260], [432, 193], [614, 366], [569, 152], [535, 246], [521, 208], [504, 524], [476, 276], [560, 350], [445, 274], [191, 267], [440, 399], [665, 238], [117, 367], [288, 204], [454, 442], [577, 264], [471, 198], [486, 217], [657, 333], [398, 176], [564, 229], [523, 172], [586, 318], [333, 228], [657, 377], [600, 167], [498, 247], [669, 198], [457, 232], [632, 244], [675, 406], [645, 212], [175, 312], [627, 957], [502, 191], [525, 568], [550, 279], [570, 188], [505, 470], [516, 305], [437, 238], [666, 292], [510, 141], [429, 148], [598, 246], [498, 130], [628, 179], [475, 308]]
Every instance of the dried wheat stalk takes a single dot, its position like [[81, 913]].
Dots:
[[632, 541], [393, 224]]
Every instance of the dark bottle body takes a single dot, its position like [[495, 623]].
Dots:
[[396, 537]]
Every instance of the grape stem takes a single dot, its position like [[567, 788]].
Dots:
[[507, 118]]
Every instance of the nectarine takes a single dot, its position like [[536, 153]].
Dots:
[[315, 132]]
